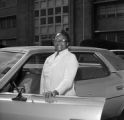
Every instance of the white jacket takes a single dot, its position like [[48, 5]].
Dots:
[[59, 72]]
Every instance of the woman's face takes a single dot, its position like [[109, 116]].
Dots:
[[60, 42]]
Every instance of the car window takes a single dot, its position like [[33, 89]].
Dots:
[[28, 76], [8, 60], [90, 67]]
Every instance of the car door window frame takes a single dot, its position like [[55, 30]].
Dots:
[[28, 72], [86, 66]]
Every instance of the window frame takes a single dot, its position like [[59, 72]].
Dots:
[[104, 67]]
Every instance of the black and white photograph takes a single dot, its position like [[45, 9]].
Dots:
[[61, 59]]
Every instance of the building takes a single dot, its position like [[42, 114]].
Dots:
[[109, 20], [8, 22], [53, 15], [35, 22], [16, 22], [50, 17]]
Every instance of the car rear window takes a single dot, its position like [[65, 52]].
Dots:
[[90, 66], [115, 60]]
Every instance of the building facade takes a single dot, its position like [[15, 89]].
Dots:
[[8, 22], [50, 17], [109, 20], [35, 22], [16, 22]]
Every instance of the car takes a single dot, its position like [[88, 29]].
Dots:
[[119, 52], [100, 76]]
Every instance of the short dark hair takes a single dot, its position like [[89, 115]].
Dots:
[[66, 35]]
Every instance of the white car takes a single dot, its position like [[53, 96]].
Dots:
[[100, 75]]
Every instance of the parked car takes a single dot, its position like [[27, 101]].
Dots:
[[100, 74], [119, 52]]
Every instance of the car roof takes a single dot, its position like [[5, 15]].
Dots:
[[119, 50], [106, 53], [49, 48]]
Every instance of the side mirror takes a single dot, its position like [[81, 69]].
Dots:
[[20, 90]]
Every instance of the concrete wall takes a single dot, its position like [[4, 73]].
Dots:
[[80, 20], [25, 24]]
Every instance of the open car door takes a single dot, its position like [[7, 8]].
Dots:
[[63, 108]]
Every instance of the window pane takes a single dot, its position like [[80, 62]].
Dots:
[[50, 20], [43, 21], [50, 3], [51, 29], [50, 11], [91, 67], [36, 38], [58, 19], [58, 28], [36, 30], [65, 19], [43, 12], [65, 2], [87, 58], [120, 10], [43, 4], [58, 2], [36, 13], [36, 5], [58, 10], [43, 30], [65, 9], [8, 60]]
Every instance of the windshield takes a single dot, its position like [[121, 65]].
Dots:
[[8, 60]]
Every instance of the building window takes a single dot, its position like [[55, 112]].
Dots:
[[2, 4], [52, 17], [8, 22], [43, 21], [36, 5], [101, 12], [65, 9], [36, 13], [44, 37], [43, 4], [36, 38], [58, 10], [120, 10], [120, 36], [58, 19], [111, 36], [50, 20], [50, 11], [111, 11], [50, 3], [43, 12]]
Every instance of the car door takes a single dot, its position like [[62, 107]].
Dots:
[[94, 79], [62, 108]]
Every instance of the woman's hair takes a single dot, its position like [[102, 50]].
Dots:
[[66, 35]]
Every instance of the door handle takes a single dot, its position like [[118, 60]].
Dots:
[[120, 87]]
